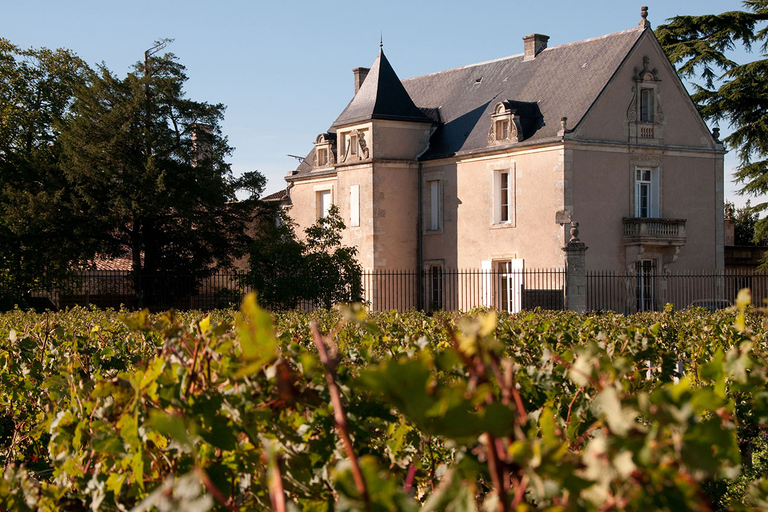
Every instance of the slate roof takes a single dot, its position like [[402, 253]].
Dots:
[[561, 81], [564, 81], [382, 96]]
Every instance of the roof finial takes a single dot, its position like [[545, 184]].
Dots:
[[381, 41], [644, 14]]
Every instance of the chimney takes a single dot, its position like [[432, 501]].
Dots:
[[360, 74], [533, 44]]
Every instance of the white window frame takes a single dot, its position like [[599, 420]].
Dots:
[[504, 213], [354, 206], [323, 207], [647, 195]]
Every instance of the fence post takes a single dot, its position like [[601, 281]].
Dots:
[[575, 272]]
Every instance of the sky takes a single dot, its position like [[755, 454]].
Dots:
[[284, 68]]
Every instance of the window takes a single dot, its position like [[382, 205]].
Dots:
[[434, 205], [322, 157], [505, 125], [646, 274], [323, 203], [504, 196], [354, 206], [435, 287], [647, 192], [352, 144], [646, 105], [325, 150], [501, 129], [509, 283]]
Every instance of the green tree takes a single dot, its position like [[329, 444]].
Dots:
[[40, 242], [318, 270], [334, 274], [735, 93], [149, 170], [744, 221]]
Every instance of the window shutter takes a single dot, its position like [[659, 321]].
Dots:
[[487, 282]]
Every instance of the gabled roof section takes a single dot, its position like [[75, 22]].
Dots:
[[382, 96], [564, 81]]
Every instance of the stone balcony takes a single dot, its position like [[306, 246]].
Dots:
[[649, 231]]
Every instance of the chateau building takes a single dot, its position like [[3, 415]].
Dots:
[[486, 166]]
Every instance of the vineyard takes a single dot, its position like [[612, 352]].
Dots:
[[350, 410]]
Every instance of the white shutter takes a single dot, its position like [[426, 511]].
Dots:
[[325, 203], [517, 285], [486, 267]]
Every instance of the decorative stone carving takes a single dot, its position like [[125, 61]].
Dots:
[[504, 117], [647, 74], [646, 79], [326, 142], [574, 233], [364, 153]]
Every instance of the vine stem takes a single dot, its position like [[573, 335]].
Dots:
[[339, 416], [276, 489], [218, 496]]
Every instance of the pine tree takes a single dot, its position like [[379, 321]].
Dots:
[[150, 174], [40, 240]]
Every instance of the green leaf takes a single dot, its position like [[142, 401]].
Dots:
[[256, 335]]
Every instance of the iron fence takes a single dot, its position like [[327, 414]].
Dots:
[[115, 289], [439, 288], [432, 289], [649, 289]]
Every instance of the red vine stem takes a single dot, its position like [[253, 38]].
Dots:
[[339, 416], [276, 490], [208, 483]]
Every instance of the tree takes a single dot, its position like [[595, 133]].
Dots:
[[149, 171], [318, 270], [40, 242], [735, 93], [744, 222]]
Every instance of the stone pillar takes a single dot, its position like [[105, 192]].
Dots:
[[575, 272]]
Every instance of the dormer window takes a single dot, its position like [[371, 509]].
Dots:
[[325, 149], [505, 125], [645, 116], [322, 157], [354, 146], [502, 131]]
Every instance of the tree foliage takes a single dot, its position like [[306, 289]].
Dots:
[[318, 270], [149, 169], [39, 237], [744, 221], [735, 93]]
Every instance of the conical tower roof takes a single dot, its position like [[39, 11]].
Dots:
[[382, 96]]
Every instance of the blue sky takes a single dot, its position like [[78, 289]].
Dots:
[[284, 68]]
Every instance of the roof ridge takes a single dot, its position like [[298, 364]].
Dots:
[[517, 55]]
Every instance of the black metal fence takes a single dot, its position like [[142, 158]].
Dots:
[[439, 288], [115, 289], [432, 289], [643, 291]]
